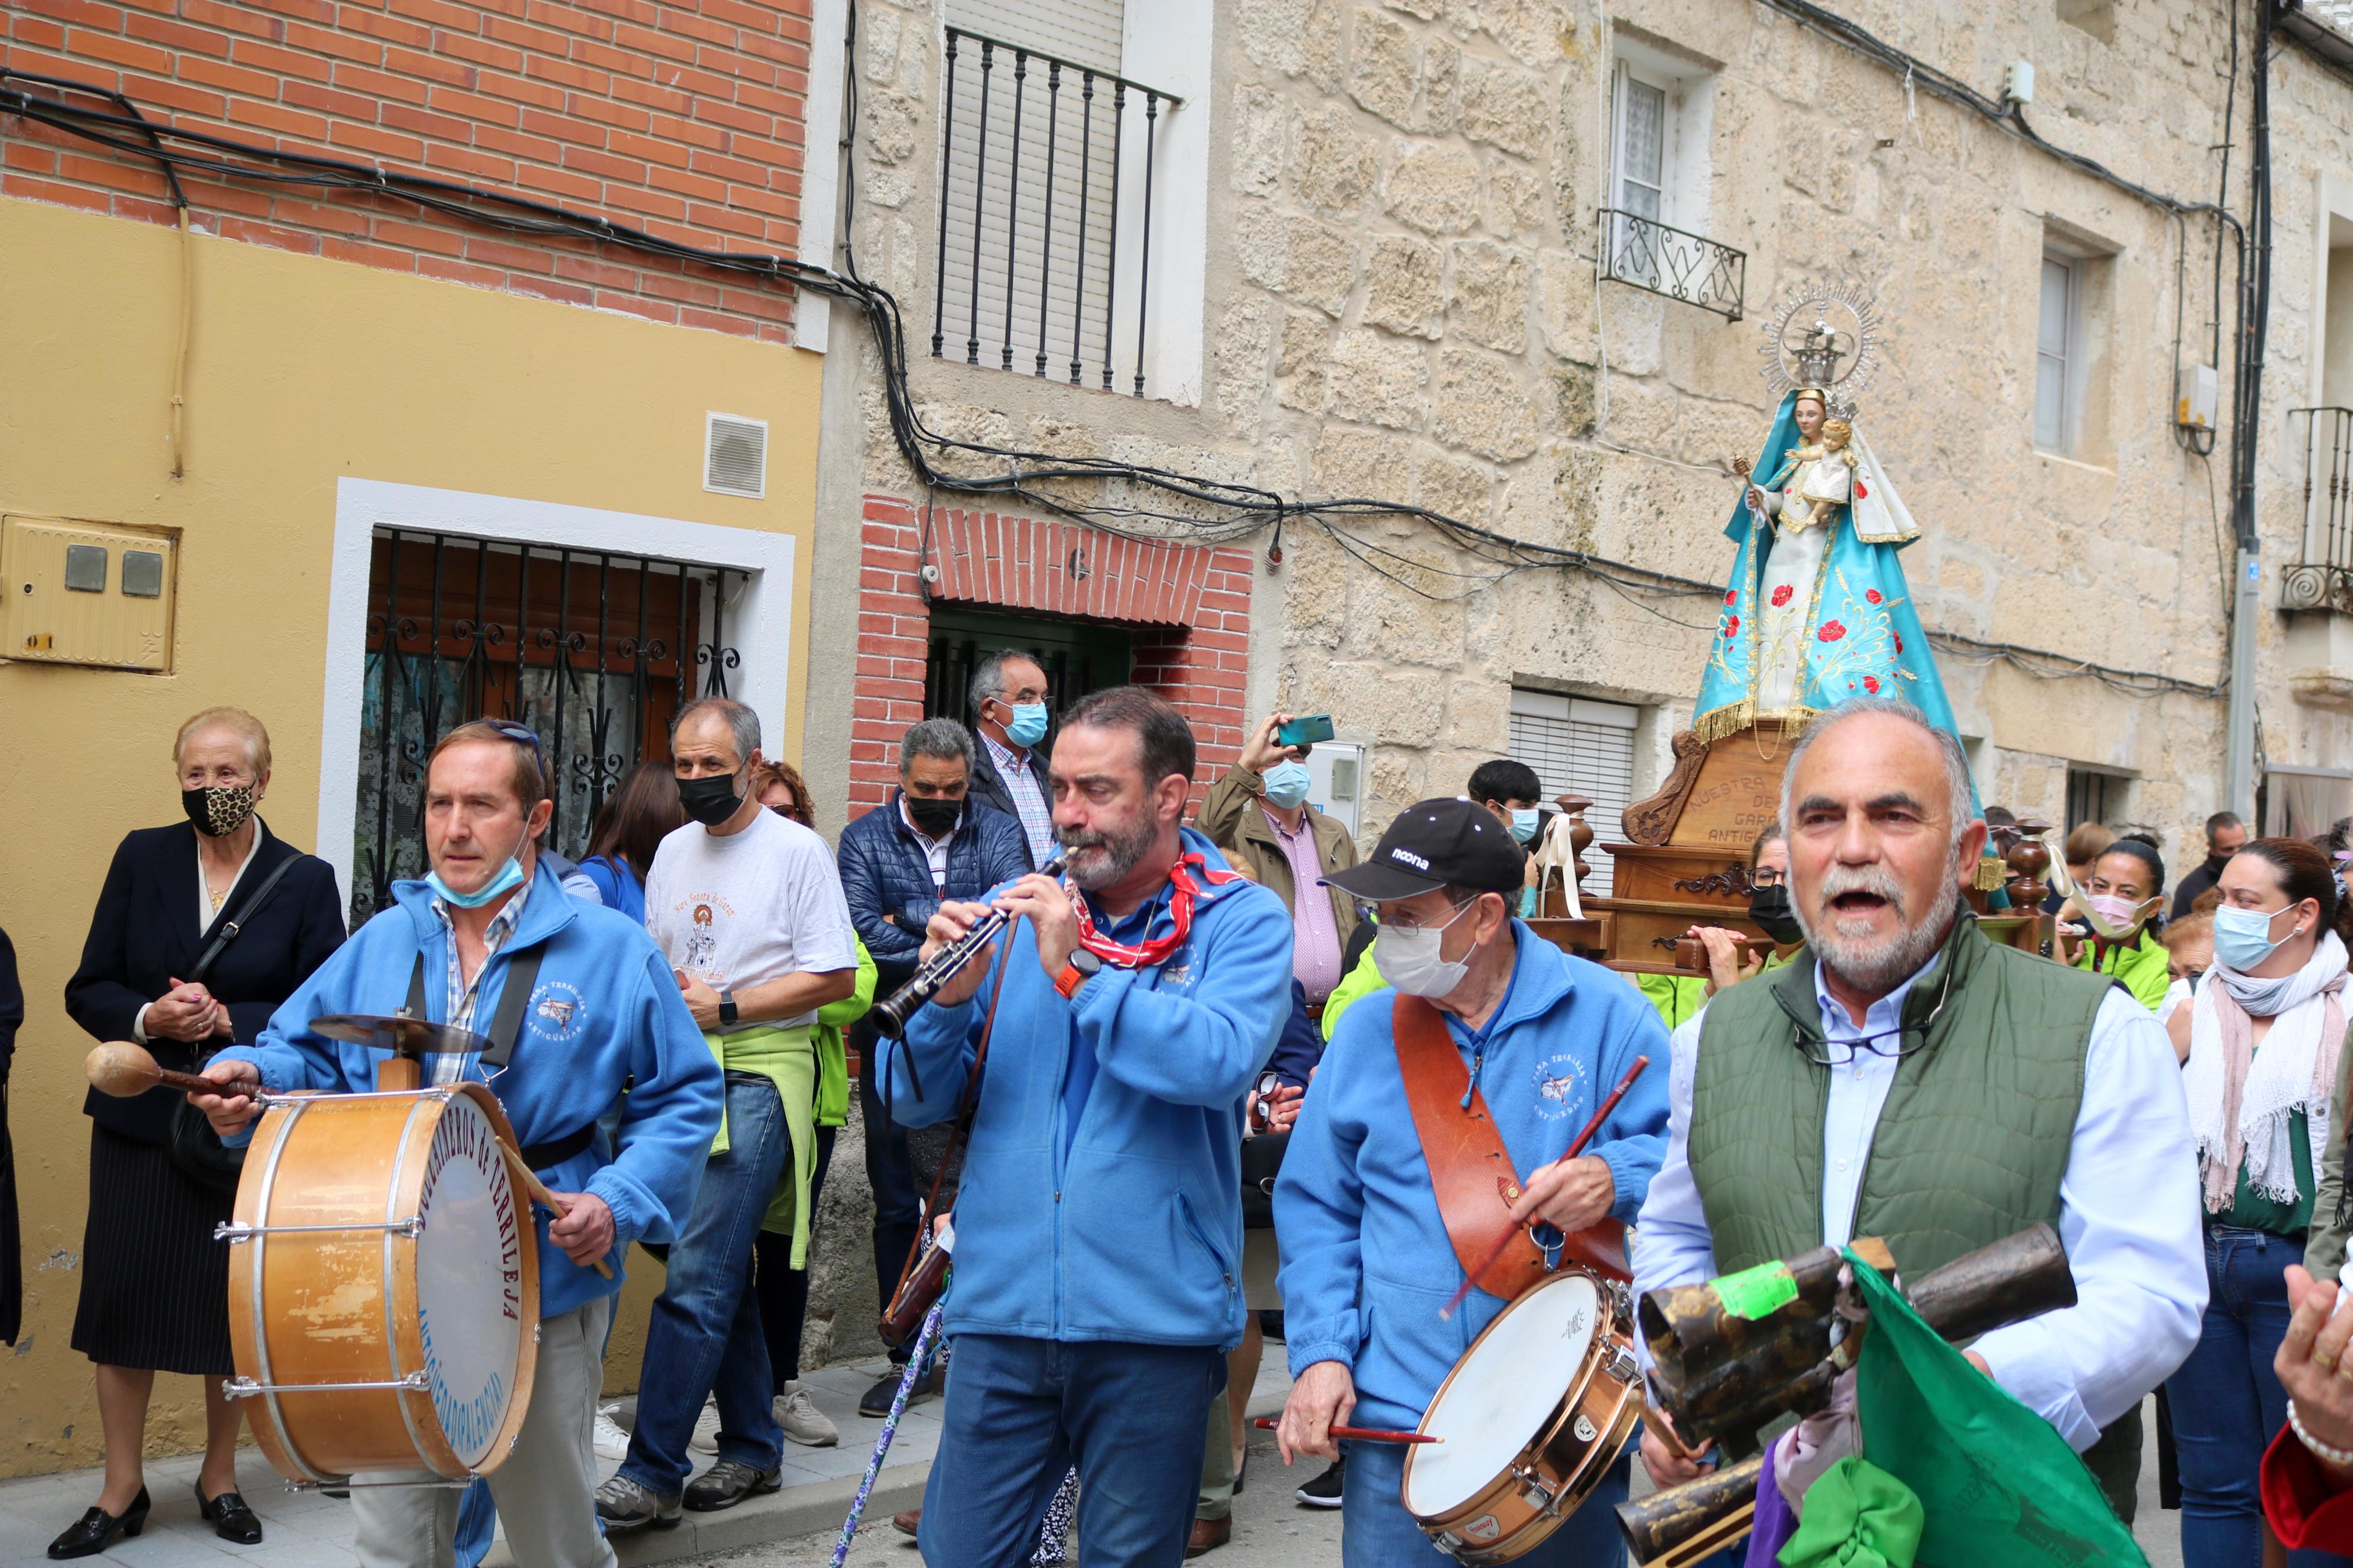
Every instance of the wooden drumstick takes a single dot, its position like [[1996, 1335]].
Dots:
[[542, 1196], [120, 1069], [1575, 1149], [1360, 1434]]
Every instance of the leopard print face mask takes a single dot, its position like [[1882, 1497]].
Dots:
[[218, 811]]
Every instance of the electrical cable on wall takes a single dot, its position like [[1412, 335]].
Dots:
[[1215, 510]]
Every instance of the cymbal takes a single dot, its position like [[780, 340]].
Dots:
[[401, 1035]]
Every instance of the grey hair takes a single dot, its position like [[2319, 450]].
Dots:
[[988, 676], [942, 738], [741, 720], [1959, 797]]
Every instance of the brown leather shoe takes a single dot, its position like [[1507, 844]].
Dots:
[[907, 1523], [1209, 1534]]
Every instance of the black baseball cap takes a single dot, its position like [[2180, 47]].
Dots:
[[1435, 844]]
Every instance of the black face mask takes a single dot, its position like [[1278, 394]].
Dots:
[[709, 801], [1770, 909], [933, 818], [218, 810]]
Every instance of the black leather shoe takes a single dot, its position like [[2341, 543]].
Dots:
[[97, 1529], [229, 1516], [727, 1483]]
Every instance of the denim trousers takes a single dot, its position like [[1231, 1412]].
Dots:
[[891, 1173], [783, 1289], [705, 1336], [1021, 1412], [1375, 1531], [2227, 1402]]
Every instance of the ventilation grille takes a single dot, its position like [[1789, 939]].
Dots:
[[735, 455]]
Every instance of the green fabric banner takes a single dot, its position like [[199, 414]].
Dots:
[[2000, 1488]]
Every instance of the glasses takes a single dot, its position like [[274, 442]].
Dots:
[[1763, 877], [521, 734], [1425, 925], [1909, 1038]]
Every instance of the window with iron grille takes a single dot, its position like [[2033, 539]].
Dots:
[[1579, 746], [595, 652], [1047, 175]]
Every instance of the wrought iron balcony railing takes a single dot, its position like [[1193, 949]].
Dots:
[[1692, 268], [1034, 250], [2323, 578]]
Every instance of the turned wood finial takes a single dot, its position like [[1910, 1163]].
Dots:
[[2028, 859], [1580, 833]]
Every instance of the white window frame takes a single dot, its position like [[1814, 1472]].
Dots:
[[1531, 702], [2062, 436], [765, 612]]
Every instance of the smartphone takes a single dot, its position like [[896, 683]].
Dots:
[[1305, 729]]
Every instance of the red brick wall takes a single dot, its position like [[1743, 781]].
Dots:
[[681, 117], [1199, 662]]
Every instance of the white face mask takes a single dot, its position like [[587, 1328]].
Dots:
[[1411, 961]]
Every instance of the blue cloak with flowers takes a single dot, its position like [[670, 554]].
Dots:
[[1861, 636]]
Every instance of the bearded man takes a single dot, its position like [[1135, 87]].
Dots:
[[1907, 1078], [1098, 1227]]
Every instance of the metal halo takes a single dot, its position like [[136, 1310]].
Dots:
[[1843, 311]]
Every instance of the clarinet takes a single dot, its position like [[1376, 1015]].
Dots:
[[891, 1014]]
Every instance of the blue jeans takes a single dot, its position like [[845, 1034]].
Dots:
[[2228, 1403], [1021, 1411], [478, 1520], [890, 1172], [1375, 1531], [704, 1335]]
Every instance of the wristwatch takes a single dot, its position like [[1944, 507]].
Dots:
[[1076, 970], [727, 1008]]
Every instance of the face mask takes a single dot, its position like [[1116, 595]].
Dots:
[[2243, 938], [709, 801], [509, 876], [1411, 961], [1771, 908], [1524, 823], [218, 810], [933, 818], [1027, 725], [2120, 915], [1286, 784]]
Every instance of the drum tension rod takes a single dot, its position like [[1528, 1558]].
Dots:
[[225, 1231], [247, 1388]]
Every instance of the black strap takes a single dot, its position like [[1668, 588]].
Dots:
[[226, 931], [556, 1150], [514, 995]]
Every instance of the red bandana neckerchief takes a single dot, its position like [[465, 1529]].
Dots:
[[1145, 954]]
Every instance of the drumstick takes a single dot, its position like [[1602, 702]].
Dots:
[[1360, 1434], [1575, 1149], [542, 1196], [121, 1069]]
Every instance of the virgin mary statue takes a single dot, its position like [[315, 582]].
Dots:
[[1816, 610]]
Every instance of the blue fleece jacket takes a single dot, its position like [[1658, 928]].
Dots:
[[605, 1014], [1135, 1234], [1365, 1262]]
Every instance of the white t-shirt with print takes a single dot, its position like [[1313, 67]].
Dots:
[[753, 906]]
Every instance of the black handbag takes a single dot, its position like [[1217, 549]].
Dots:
[[194, 1147], [1262, 1160]]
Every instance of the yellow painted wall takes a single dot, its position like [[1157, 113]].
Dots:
[[300, 372]]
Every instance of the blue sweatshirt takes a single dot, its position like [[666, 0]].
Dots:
[[626, 1021], [1127, 1228], [1366, 1260]]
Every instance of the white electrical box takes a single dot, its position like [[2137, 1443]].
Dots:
[[2018, 82], [2193, 400], [1336, 785], [85, 592]]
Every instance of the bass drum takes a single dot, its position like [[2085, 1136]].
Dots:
[[384, 1285], [1533, 1416]]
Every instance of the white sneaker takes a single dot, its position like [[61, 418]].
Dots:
[[706, 1429], [612, 1443], [803, 1422]]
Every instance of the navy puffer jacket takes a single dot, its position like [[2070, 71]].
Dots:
[[887, 878]]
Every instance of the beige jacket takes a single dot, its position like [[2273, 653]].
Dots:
[[1234, 817]]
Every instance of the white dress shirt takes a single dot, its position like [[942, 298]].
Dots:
[[2129, 1211]]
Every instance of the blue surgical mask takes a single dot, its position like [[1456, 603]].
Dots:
[[1524, 824], [509, 876], [2243, 938], [1286, 784], [1027, 725]]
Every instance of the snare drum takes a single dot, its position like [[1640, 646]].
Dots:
[[384, 1285], [1533, 1416]]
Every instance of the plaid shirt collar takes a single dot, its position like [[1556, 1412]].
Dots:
[[463, 994]]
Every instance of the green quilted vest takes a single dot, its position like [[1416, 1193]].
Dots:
[[1970, 1148]]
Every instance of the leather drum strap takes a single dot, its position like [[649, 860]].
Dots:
[[1471, 1171]]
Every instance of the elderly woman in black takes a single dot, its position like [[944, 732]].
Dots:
[[162, 966]]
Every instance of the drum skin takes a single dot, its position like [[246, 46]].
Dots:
[[342, 1306], [1560, 1464]]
